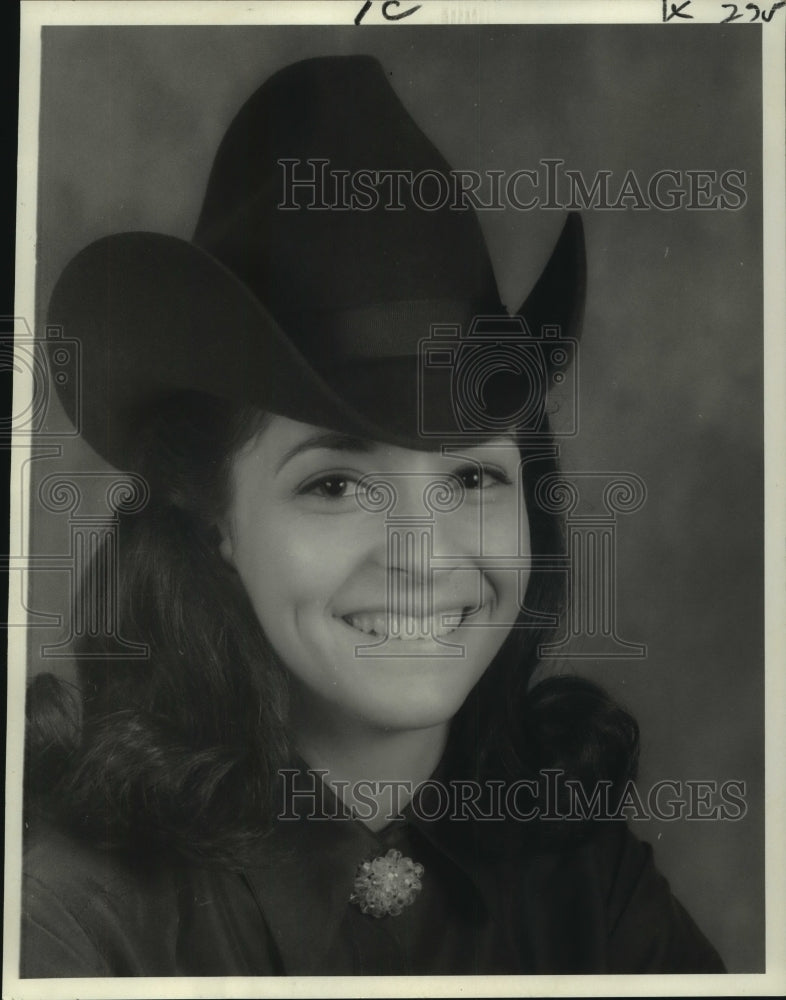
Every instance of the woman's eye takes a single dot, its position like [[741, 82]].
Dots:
[[481, 477], [334, 487], [345, 486]]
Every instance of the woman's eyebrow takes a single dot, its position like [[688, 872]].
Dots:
[[477, 451], [330, 440]]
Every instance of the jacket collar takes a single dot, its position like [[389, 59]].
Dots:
[[303, 883]]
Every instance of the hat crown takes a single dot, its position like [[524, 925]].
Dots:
[[332, 124], [317, 314]]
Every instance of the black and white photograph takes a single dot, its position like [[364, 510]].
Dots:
[[396, 569]]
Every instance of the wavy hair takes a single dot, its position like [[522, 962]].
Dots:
[[182, 750]]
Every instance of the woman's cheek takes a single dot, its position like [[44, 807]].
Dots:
[[506, 533], [313, 554]]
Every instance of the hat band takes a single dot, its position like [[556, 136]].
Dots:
[[380, 330]]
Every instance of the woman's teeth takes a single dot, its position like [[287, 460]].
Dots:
[[405, 626]]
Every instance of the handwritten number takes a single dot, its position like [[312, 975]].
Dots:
[[776, 6], [757, 11], [365, 9]]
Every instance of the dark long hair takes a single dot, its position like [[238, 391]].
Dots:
[[182, 749]]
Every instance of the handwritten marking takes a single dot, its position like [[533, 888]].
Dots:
[[363, 11], [386, 10], [734, 16], [676, 11], [758, 12], [775, 6]]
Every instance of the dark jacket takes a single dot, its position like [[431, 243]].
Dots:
[[492, 902]]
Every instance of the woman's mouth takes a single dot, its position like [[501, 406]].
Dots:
[[382, 625]]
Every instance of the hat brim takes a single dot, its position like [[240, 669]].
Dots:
[[156, 315]]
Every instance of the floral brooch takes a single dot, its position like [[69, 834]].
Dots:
[[385, 885]]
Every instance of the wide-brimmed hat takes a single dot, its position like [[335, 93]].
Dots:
[[327, 280]]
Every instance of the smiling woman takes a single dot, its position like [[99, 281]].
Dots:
[[314, 558], [343, 575]]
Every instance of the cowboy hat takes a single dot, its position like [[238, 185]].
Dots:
[[353, 312]]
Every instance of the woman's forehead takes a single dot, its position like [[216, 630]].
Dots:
[[283, 438]]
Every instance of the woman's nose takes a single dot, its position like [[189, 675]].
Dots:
[[422, 515]]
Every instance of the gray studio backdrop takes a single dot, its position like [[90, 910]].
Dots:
[[671, 359]]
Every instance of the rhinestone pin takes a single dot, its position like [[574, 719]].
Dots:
[[385, 885]]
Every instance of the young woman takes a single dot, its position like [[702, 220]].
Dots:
[[331, 761]]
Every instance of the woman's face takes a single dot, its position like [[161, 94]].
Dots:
[[385, 617]]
